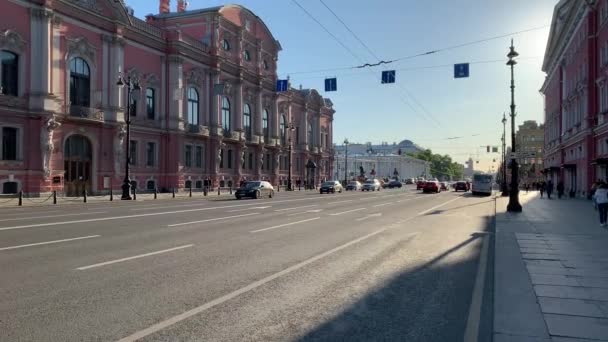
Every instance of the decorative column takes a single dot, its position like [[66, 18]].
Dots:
[[259, 110], [177, 91], [40, 86], [214, 102], [275, 118], [237, 114]]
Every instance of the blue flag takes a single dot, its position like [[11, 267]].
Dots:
[[331, 84], [388, 76]]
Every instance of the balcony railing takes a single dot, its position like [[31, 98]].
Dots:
[[144, 26], [12, 101], [194, 42], [86, 113]]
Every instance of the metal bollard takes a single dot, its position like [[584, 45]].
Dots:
[[299, 186], [218, 191], [155, 193], [173, 192], [111, 195], [279, 187], [205, 191], [190, 189], [54, 196], [21, 198], [134, 195], [84, 195], [231, 190]]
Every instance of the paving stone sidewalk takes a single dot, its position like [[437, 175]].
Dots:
[[551, 272]]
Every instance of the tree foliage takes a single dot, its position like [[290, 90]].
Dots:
[[442, 166]]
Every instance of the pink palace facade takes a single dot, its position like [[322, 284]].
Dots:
[[207, 110]]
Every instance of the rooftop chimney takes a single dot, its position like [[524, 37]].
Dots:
[[164, 6], [182, 5]]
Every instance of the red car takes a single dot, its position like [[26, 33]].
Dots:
[[420, 185], [432, 186]]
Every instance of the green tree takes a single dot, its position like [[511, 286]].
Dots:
[[441, 166]]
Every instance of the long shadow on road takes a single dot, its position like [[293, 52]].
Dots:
[[428, 303]]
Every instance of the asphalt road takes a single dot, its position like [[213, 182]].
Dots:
[[393, 265]]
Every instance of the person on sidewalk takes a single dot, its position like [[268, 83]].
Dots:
[[549, 189], [541, 188], [601, 199], [560, 189]]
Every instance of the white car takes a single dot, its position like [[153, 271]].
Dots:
[[354, 185], [371, 185]]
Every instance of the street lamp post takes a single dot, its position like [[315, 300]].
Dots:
[[503, 185], [345, 161], [133, 89], [291, 128], [514, 205]]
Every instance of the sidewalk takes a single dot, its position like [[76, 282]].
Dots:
[[551, 272]]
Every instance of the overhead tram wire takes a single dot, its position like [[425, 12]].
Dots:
[[380, 62], [347, 48]]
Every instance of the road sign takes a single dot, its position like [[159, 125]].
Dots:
[[331, 84], [461, 70], [388, 76], [282, 85]]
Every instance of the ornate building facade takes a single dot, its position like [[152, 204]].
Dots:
[[206, 113]]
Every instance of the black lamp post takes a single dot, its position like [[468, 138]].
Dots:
[[291, 128], [503, 185], [514, 205], [133, 89], [345, 161]]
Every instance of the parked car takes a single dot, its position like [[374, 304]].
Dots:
[[353, 186], [331, 187], [432, 186], [461, 186], [420, 184], [394, 184], [410, 181], [255, 189], [371, 185], [444, 186]]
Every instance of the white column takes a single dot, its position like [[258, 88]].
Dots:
[[214, 101], [275, 117], [237, 113], [177, 93], [40, 26], [56, 70], [259, 110], [162, 111], [106, 77]]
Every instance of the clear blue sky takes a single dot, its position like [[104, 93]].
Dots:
[[369, 111]]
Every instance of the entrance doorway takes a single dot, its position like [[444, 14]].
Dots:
[[77, 165]]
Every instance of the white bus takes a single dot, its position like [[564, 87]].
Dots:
[[482, 184]]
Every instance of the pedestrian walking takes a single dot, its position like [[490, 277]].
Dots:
[[549, 188], [541, 188], [601, 199], [560, 189], [527, 186]]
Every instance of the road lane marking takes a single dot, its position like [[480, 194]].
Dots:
[[346, 212], [369, 216], [306, 212], [383, 204], [340, 202], [133, 257], [187, 314], [252, 208], [210, 220], [295, 208], [231, 206], [284, 225], [48, 242], [471, 332], [50, 216]]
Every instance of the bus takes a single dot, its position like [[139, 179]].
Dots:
[[482, 185]]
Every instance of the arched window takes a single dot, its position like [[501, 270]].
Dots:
[[247, 55], [150, 103], [247, 120], [283, 129], [80, 82], [225, 114], [310, 135], [265, 124], [226, 45], [265, 65], [193, 106], [10, 73]]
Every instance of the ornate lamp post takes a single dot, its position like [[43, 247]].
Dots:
[[345, 161], [133, 89], [503, 185], [514, 205], [291, 128]]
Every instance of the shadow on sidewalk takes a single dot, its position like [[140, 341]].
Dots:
[[427, 303]]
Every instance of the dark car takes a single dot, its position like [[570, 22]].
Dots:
[[461, 186], [432, 186], [255, 189], [394, 184], [331, 187], [410, 181]]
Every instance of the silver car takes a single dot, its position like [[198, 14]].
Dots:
[[371, 185]]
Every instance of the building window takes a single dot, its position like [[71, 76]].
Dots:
[[151, 185], [188, 156], [133, 109], [193, 106], [247, 55], [250, 161], [247, 120], [10, 73], [229, 161], [151, 154], [198, 184], [226, 45], [310, 135], [80, 82], [225, 114], [283, 128], [150, 99], [265, 65], [198, 160], [133, 152], [221, 158], [265, 124], [188, 184], [9, 143]]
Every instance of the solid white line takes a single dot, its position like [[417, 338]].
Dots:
[[438, 206], [245, 209], [294, 208], [383, 204], [210, 220], [131, 258], [346, 212], [48, 242], [340, 202], [283, 225], [49, 216], [369, 216], [185, 315], [471, 332]]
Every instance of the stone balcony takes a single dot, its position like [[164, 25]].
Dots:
[[198, 129], [13, 101], [87, 113]]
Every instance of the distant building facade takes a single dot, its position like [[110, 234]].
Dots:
[[207, 112], [530, 140], [384, 166], [404, 147]]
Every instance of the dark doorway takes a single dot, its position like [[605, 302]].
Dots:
[[78, 158]]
